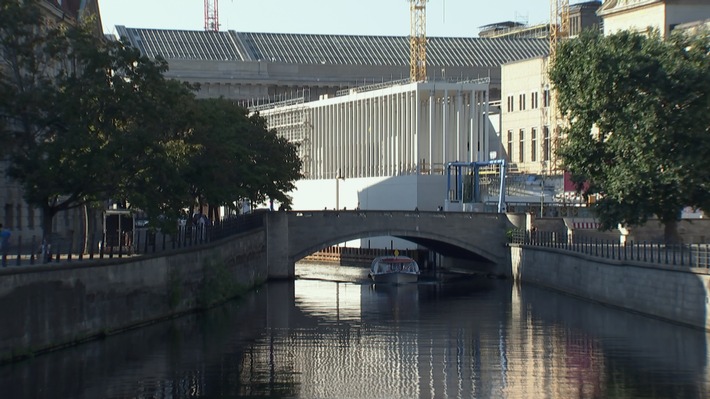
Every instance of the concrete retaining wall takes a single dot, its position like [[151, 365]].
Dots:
[[44, 307], [678, 294]]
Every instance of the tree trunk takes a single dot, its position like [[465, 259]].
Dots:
[[47, 217], [48, 213], [670, 232]]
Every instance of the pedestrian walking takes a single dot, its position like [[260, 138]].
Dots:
[[4, 243]]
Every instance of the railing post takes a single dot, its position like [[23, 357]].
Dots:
[[644, 251], [619, 250], [71, 248], [673, 247], [613, 250], [665, 249], [32, 250], [682, 258], [102, 249], [19, 251]]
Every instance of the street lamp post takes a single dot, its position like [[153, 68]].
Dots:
[[542, 187], [338, 178]]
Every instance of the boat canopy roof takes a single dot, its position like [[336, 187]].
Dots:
[[384, 264]]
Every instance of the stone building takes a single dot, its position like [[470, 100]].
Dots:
[[25, 221], [642, 15], [527, 137], [259, 68]]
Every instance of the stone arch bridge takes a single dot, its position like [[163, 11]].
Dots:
[[291, 236]]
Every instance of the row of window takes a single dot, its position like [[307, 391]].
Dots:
[[534, 147], [13, 217], [534, 101]]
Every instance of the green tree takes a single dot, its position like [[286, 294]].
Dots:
[[237, 157], [638, 117], [85, 119]]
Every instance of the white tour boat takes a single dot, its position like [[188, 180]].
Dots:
[[394, 269]]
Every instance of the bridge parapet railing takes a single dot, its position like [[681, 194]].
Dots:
[[681, 255], [143, 242], [413, 213]]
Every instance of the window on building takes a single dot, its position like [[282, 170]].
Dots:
[[533, 100], [522, 102], [546, 98], [511, 103], [533, 146], [576, 28], [521, 146], [8, 216], [510, 145], [546, 143]]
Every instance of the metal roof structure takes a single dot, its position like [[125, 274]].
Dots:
[[327, 49]]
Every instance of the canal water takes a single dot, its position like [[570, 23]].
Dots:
[[332, 334]]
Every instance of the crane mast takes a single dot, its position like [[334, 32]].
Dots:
[[559, 31], [211, 15], [559, 25], [417, 40]]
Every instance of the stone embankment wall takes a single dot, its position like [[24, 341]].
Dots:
[[674, 293], [46, 307]]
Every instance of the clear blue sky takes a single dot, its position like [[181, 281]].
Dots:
[[451, 18]]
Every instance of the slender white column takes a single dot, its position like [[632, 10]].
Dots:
[[459, 127], [444, 125], [486, 125], [432, 117], [472, 124], [367, 117], [418, 123]]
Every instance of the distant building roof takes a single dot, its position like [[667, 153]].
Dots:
[[504, 24], [327, 49], [586, 4]]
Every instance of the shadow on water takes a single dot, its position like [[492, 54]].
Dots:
[[157, 361]]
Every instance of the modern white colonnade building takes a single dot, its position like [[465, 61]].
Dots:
[[385, 147]]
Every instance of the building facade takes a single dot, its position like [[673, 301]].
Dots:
[[23, 220], [530, 130], [642, 15], [259, 68], [385, 147]]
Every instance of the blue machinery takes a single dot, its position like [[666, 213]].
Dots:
[[459, 183]]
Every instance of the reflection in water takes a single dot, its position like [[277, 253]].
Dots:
[[462, 337]]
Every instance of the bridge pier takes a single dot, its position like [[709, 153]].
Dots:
[[278, 262]]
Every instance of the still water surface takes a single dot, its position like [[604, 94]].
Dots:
[[455, 337]]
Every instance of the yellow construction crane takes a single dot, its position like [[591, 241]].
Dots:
[[559, 31], [559, 25], [417, 40]]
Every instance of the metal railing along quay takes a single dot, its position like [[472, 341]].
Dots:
[[143, 242], [683, 255]]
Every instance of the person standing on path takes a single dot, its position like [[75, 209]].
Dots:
[[4, 244]]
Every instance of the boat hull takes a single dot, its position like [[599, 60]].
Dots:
[[395, 278]]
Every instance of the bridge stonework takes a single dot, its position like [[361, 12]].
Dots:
[[292, 236]]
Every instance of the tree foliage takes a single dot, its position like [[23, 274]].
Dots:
[[239, 157], [637, 107], [84, 120]]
